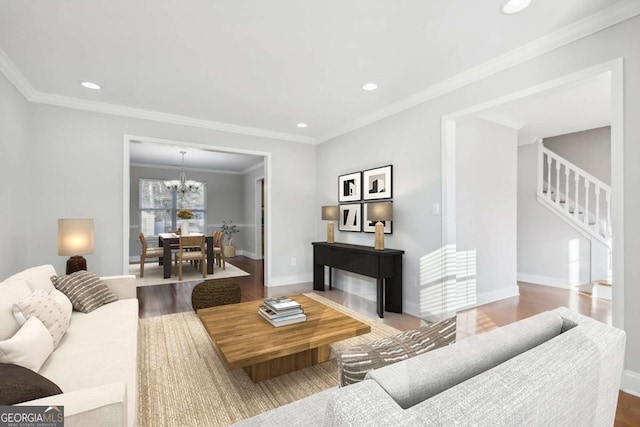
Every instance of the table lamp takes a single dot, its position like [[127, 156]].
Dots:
[[75, 238], [330, 213], [381, 211]]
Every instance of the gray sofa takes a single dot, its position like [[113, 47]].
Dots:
[[557, 368]]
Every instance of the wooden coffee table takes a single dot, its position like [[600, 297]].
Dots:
[[246, 340]]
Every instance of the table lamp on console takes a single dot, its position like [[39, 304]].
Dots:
[[75, 238], [381, 211], [330, 213]]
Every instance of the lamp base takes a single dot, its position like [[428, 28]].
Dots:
[[330, 234], [379, 239], [76, 263]]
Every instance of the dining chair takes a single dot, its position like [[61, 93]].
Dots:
[[148, 252], [191, 248], [218, 250]]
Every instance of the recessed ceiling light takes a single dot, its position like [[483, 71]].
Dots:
[[91, 85], [302, 125], [369, 86], [515, 6]]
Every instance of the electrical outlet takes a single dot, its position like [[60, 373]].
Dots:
[[414, 282], [436, 208], [293, 261]]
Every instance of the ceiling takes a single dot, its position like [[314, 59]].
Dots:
[[260, 67], [580, 106]]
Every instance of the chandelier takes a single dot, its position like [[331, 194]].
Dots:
[[182, 185]]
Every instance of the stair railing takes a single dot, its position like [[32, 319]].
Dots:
[[576, 194]]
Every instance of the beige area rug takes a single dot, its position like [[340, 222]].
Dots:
[[154, 274], [183, 381]]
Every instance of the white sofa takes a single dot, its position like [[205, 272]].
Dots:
[[95, 364]]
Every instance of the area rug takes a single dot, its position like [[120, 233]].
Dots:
[[154, 274], [183, 382]]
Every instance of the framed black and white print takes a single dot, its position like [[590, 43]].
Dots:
[[350, 187], [377, 183], [370, 226], [350, 217]]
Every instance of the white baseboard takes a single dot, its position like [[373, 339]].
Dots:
[[544, 280], [630, 382], [493, 296], [290, 280], [134, 259], [248, 254]]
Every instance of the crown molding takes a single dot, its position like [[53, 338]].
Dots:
[[253, 168], [613, 15], [13, 74], [138, 113], [187, 169], [503, 120]]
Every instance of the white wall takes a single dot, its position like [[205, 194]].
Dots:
[[486, 201], [17, 192], [225, 197], [251, 222], [77, 159], [410, 140]]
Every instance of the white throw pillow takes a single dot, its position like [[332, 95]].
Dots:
[[64, 303], [42, 305], [29, 347]]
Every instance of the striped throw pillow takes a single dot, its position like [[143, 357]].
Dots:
[[355, 362], [85, 290]]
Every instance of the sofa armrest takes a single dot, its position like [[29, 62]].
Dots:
[[123, 286], [363, 404], [104, 405]]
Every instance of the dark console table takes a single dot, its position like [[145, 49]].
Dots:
[[384, 265]]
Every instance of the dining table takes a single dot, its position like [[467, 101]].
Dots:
[[171, 240]]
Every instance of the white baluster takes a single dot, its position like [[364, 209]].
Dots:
[[548, 176], [596, 226], [540, 168], [566, 191], [557, 183], [586, 202], [608, 231], [575, 202]]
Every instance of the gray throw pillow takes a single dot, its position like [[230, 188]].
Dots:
[[355, 362], [85, 290]]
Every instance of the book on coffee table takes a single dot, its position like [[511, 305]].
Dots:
[[281, 304], [275, 314], [285, 320]]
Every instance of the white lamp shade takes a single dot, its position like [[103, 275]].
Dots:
[[381, 211], [75, 236], [330, 213]]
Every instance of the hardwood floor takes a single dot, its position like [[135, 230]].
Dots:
[[533, 299]]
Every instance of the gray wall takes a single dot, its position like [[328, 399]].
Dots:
[[77, 160], [589, 150], [17, 193], [411, 139], [225, 200], [486, 220]]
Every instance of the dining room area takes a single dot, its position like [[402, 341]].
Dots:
[[194, 213]]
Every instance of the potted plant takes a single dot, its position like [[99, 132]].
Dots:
[[185, 215], [229, 229]]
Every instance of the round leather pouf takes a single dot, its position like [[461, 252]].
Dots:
[[215, 292]]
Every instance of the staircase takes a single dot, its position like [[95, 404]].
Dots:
[[582, 201], [574, 195]]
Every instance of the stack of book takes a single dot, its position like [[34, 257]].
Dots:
[[282, 311]]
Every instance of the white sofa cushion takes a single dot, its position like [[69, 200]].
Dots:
[[11, 291], [29, 347], [64, 303], [37, 277], [42, 305]]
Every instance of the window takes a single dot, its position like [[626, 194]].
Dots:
[[159, 206]]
